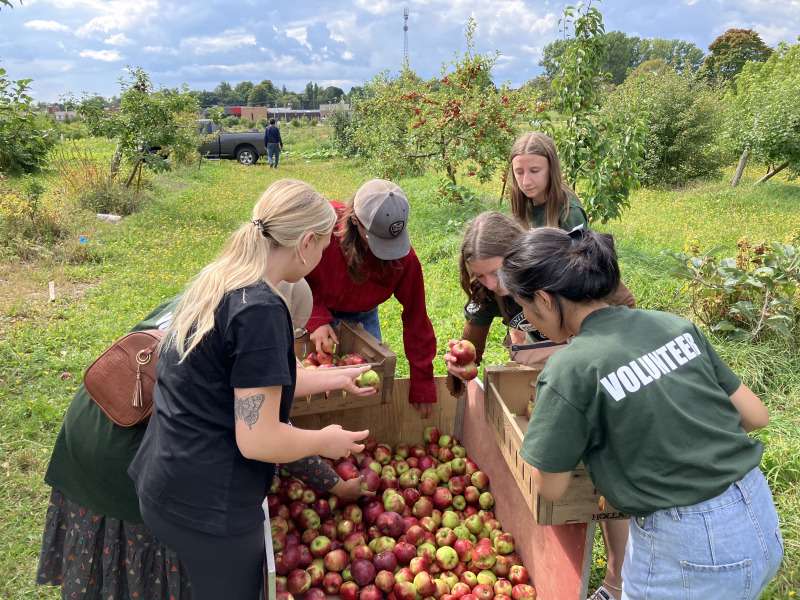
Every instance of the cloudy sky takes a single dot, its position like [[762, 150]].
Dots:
[[84, 45]]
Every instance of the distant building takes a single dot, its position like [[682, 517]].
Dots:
[[54, 110], [287, 114], [326, 109]]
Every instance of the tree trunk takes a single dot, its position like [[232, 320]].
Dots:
[[740, 168], [136, 166], [775, 172]]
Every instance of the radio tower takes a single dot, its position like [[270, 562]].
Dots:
[[405, 34]]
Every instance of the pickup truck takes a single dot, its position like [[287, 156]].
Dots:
[[245, 147]]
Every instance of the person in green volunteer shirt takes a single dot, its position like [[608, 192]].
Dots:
[[659, 420]]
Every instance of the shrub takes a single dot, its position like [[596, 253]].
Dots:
[[231, 121], [682, 116], [27, 223], [296, 122], [262, 123], [111, 198], [744, 297], [343, 129]]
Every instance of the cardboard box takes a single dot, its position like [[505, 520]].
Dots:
[[509, 389], [352, 338]]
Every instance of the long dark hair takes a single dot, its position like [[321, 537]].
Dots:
[[354, 247], [578, 266], [557, 193], [489, 235]]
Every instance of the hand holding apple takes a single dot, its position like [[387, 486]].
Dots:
[[325, 341], [461, 360], [350, 490]]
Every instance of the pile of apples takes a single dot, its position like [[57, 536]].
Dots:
[[429, 532]]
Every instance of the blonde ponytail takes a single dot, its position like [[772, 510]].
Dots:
[[284, 214]]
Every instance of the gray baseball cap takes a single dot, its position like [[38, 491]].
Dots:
[[382, 208]]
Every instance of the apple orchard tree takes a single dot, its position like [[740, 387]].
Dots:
[[458, 124], [599, 154]]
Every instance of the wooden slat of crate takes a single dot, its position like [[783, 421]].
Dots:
[[509, 389], [352, 338]]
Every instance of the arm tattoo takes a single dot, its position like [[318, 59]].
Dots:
[[246, 409]]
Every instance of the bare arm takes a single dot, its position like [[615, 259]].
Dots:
[[550, 485], [314, 381], [754, 413], [261, 436]]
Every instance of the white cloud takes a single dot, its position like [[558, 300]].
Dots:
[[160, 50], [117, 15], [299, 34], [104, 55], [40, 25], [347, 55], [228, 41], [376, 7], [118, 39]]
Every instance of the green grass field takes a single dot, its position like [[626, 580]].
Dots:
[[152, 254]]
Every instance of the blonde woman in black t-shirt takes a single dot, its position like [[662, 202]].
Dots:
[[226, 377]]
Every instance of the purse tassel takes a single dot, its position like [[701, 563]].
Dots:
[[137, 390]]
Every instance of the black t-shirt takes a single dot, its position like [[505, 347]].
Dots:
[[189, 467], [511, 313]]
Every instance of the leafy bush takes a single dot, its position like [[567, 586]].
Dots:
[[343, 128], [745, 296], [27, 224], [296, 122], [764, 112], [111, 198], [682, 117], [25, 138], [262, 123], [231, 121]]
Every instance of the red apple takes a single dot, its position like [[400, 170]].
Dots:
[[523, 591], [283, 595], [349, 590], [344, 527], [356, 359], [386, 560], [479, 479], [362, 551], [287, 560], [483, 556], [404, 590], [504, 543], [424, 583], [384, 580], [371, 510], [442, 498], [470, 371], [460, 589], [370, 480], [335, 560], [470, 578], [463, 351], [363, 572], [518, 574], [502, 566], [328, 528], [404, 552], [445, 455], [503, 586], [298, 581], [332, 582], [353, 539], [346, 470], [464, 548], [390, 523], [353, 513], [445, 537], [317, 571]]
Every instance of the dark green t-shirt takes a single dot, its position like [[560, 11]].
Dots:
[[537, 215], [642, 398], [91, 455]]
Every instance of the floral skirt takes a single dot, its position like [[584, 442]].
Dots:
[[93, 557]]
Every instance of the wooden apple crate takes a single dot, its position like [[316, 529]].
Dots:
[[557, 557], [352, 338], [509, 389]]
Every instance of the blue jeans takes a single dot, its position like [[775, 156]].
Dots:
[[368, 318], [726, 548], [273, 153]]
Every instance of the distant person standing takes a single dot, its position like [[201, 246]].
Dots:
[[273, 143]]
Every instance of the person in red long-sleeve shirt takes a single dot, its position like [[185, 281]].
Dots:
[[369, 259]]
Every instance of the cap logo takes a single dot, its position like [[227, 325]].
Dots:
[[396, 228]]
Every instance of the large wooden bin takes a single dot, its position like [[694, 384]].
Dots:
[[557, 557], [352, 338], [509, 389]]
